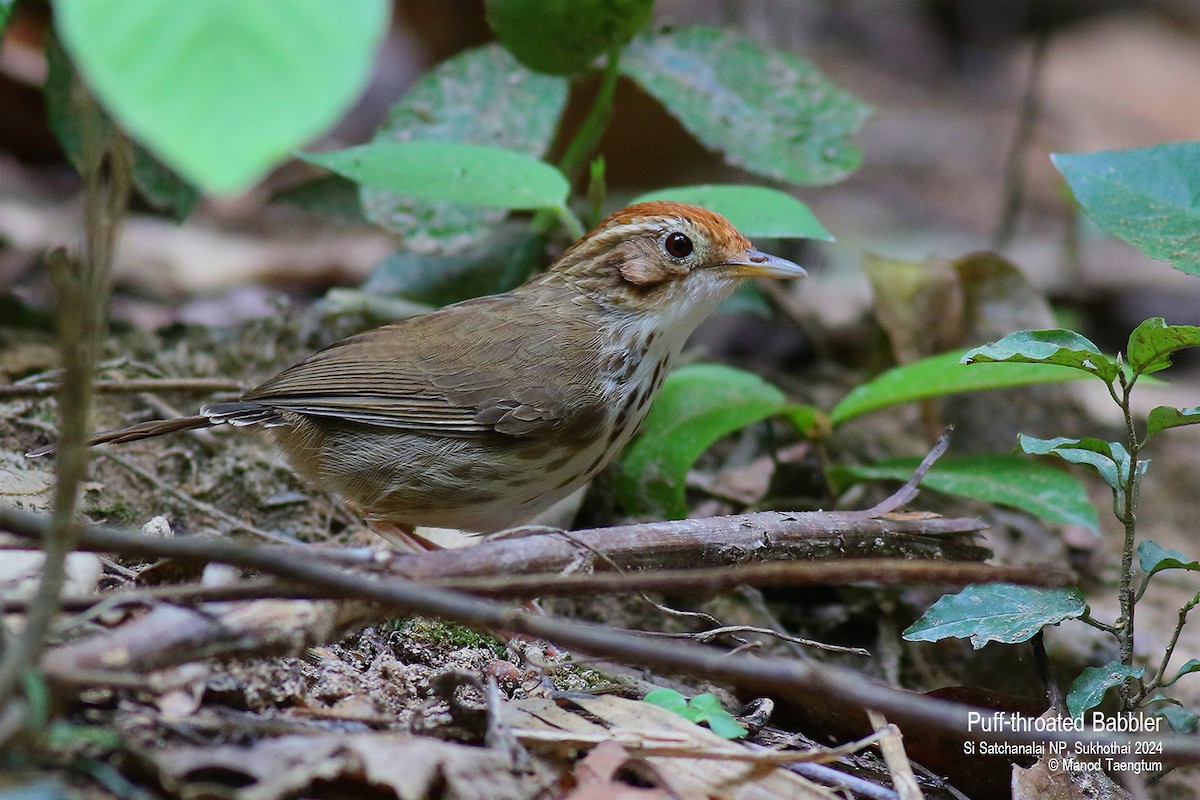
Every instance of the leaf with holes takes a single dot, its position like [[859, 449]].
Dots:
[[766, 110], [995, 612], [481, 96], [1152, 343]]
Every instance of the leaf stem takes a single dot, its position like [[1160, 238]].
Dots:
[[587, 138], [1128, 517], [1157, 681]]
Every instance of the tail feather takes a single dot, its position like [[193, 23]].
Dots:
[[144, 430]]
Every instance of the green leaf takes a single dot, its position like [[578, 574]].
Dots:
[[1088, 689], [941, 375], [768, 111], [480, 96], [697, 405], [1056, 346], [1192, 665], [1153, 557], [224, 90], [995, 612], [558, 38], [707, 708], [6, 9], [500, 263], [756, 211], [451, 171], [1109, 459], [1152, 343], [1163, 417], [157, 183], [1039, 489], [669, 699], [1146, 196], [1181, 720]]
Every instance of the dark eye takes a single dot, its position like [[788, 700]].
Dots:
[[677, 245]]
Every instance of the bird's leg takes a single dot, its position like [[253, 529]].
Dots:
[[402, 536]]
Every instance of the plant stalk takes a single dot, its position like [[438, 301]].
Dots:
[[1128, 690]]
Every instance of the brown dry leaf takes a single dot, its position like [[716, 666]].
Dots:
[[919, 305], [679, 776], [596, 777], [1041, 782], [411, 767]]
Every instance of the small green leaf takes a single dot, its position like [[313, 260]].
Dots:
[[1152, 343], [480, 96], [1146, 196], [452, 172], [559, 38], [224, 89], [6, 9], [941, 375], [697, 405], [1163, 417], [1153, 557], [1039, 489], [707, 708], [1181, 720], [769, 111], [1088, 689], [756, 211], [1109, 459], [669, 699], [1056, 346], [1192, 665], [995, 612]]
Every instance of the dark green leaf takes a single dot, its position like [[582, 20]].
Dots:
[[1039, 489], [1088, 689], [500, 263], [1181, 720], [995, 612], [558, 38], [330, 197], [6, 9], [1152, 343], [1109, 459], [669, 699], [224, 90], [451, 172], [768, 111], [1192, 665], [756, 211], [481, 96], [1057, 346], [1153, 557], [941, 375], [697, 405], [1163, 417], [1146, 196]]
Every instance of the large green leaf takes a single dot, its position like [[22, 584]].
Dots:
[[1007, 480], [222, 90], [767, 110], [1152, 343], [697, 405], [1147, 196], [559, 38], [1062, 347], [1088, 689], [452, 172], [756, 211], [941, 375], [480, 96], [995, 612]]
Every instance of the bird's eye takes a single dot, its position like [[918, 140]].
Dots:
[[677, 245]]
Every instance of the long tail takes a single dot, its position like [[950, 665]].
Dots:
[[144, 430]]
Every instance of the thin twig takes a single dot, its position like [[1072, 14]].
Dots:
[[797, 680], [705, 637], [1014, 168], [891, 744], [908, 492], [12, 391]]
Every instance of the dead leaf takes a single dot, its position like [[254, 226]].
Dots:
[[1045, 782], [596, 777]]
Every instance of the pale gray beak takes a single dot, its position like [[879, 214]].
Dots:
[[760, 265]]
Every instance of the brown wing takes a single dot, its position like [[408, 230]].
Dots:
[[485, 365]]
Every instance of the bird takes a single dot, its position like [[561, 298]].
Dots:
[[481, 414]]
